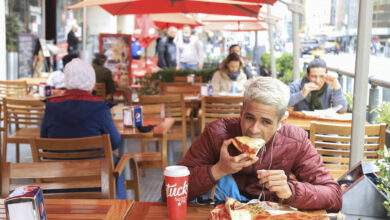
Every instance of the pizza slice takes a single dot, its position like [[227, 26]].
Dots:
[[248, 145]]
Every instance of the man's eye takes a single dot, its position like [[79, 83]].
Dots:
[[267, 122], [250, 118]]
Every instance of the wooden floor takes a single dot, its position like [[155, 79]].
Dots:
[[150, 184]]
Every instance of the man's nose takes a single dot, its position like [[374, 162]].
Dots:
[[255, 130]]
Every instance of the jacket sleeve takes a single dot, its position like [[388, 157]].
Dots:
[[161, 53], [110, 128], [315, 188], [199, 46], [295, 94], [248, 70], [199, 158], [215, 81], [110, 84], [339, 99]]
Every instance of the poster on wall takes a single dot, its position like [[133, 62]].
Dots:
[[26, 45], [117, 48]]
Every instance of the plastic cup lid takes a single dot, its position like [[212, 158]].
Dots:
[[176, 171]]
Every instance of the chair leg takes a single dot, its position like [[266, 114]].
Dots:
[[157, 145], [17, 153], [192, 130], [134, 171]]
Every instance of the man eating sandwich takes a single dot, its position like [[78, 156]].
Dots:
[[286, 151]]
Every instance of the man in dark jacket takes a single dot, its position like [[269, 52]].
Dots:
[[166, 50], [287, 151], [103, 74], [73, 41]]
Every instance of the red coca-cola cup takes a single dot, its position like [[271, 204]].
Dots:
[[176, 186]]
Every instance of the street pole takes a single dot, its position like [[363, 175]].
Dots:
[[296, 44], [271, 22], [361, 81]]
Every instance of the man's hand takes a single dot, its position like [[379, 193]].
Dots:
[[308, 87], [332, 80], [275, 181], [228, 164]]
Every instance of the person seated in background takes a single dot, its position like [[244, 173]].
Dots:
[[56, 78], [77, 113], [235, 48], [231, 72], [316, 90], [103, 74], [213, 159]]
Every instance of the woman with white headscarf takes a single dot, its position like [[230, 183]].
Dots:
[[77, 113]]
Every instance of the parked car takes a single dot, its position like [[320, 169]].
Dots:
[[308, 45], [331, 46]]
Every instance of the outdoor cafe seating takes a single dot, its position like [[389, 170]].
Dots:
[[333, 143]]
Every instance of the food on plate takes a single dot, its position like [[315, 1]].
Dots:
[[248, 145], [236, 210]]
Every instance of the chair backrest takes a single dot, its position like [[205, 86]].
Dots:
[[22, 111], [197, 79], [162, 85], [180, 89], [333, 143], [173, 105], [82, 174], [49, 149], [100, 89], [216, 107], [12, 88], [148, 111]]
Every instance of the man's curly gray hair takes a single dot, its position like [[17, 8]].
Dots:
[[268, 91]]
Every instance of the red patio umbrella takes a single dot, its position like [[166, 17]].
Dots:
[[178, 20], [225, 7], [144, 30]]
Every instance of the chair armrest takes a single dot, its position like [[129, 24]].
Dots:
[[120, 166]]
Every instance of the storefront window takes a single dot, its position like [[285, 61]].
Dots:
[[28, 13], [66, 19]]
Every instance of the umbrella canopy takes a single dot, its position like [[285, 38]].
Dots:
[[225, 7], [144, 30], [232, 23], [178, 20]]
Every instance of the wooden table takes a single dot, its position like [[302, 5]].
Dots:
[[302, 121], [159, 210], [160, 131], [83, 208], [32, 81]]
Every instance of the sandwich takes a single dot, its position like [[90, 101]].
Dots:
[[248, 145]]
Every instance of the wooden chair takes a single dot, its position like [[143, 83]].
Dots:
[[81, 174], [191, 106], [54, 149], [173, 107], [25, 114], [162, 85], [197, 79], [217, 107], [13, 88], [333, 143]]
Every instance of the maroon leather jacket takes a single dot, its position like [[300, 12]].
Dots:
[[292, 152]]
